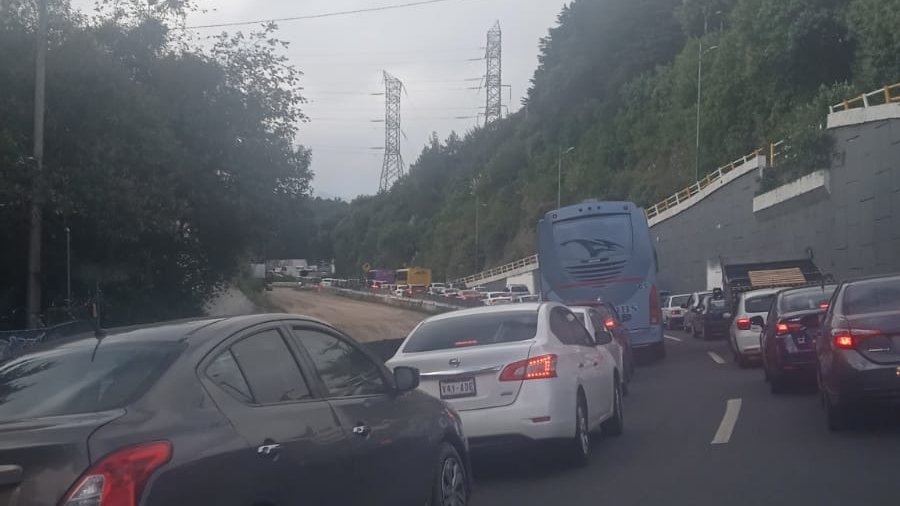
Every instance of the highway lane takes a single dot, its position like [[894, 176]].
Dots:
[[778, 450]]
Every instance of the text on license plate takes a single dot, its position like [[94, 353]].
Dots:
[[456, 388]]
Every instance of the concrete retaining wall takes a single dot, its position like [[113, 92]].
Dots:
[[847, 220]]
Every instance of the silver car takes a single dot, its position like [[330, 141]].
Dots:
[[743, 334]]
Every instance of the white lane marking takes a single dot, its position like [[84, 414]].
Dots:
[[673, 338], [732, 410], [716, 358]]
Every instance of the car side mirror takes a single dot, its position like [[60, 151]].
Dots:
[[758, 321], [406, 378], [603, 337]]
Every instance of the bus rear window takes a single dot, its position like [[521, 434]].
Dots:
[[473, 330], [582, 240]]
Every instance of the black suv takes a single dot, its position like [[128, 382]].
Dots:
[[265, 409]]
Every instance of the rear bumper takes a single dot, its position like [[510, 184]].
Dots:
[[802, 362], [645, 337], [516, 422], [717, 327], [856, 379], [747, 342]]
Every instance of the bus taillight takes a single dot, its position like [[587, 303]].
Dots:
[[655, 309]]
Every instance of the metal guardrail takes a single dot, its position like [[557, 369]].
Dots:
[[887, 95], [474, 279]]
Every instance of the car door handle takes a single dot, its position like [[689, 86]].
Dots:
[[268, 449], [362, 430], [10, 475]]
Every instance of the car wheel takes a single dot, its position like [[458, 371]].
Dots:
[[837, 415], [661, 350], [451, 485], [694, 332], [615, 424], [580, 446], [776, 384]]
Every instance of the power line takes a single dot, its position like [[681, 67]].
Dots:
[[322, 15]]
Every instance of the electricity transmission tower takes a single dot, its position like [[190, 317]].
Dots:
[[392, 170], [493, 79]]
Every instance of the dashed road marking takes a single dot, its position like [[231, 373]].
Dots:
[[732, 410], [716, 358], [673, 338]]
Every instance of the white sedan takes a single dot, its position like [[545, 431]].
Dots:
[[526, 372]]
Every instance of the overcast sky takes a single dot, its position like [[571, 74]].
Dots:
[[427, 47]]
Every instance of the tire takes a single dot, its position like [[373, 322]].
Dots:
[[837, 416], [661, 351], [615, 425], [451, 482], [578, 449], [777, 384]]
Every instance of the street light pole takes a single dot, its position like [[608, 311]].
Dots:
[[559, 175], [69, 269], [700, 53], [35, 233]]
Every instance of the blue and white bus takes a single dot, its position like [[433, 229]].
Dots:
[[603, 251]]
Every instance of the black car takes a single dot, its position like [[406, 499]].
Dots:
[[265, 409], [711, 318], [859, 352], [789, 334]]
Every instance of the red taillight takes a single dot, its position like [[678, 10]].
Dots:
[[823, 305], [542, 367], [655, 309], [848, 338], [119, 478], [782, 328], [609, 324], [743, 323], [470, 342]]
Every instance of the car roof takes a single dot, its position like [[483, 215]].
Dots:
[[784, 291], [524, 307], [873, 278], [761, 291]]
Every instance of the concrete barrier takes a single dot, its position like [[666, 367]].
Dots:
[[421, 305]]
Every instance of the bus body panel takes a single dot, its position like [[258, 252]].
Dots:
[[602, 250]]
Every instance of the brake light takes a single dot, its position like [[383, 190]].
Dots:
[[655, 309], [609, 324], [782, 328], [823, 305], [743, 323], [848, 338], [542, 367], [119, 478]]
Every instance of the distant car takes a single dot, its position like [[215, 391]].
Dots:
[[791, 329], [517, 289], [712, 318], [263, 409], [519, 374], [436, 289], [468, 295], [401, 290], [613, 323], [595, 325], [859, 349], [327, 283], [745, 328], [482, 289], [449, 293], [690, 310], [673, 313], [415, 290], [497, 298]]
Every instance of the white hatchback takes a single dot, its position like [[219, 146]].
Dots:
[[519, 373], [743, 335]]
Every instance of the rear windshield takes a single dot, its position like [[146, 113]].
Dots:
[[473, 330], [678, 300], [588, 239], [74, 379], [872, 296], [717, 304], [760, 304], [805, 300]]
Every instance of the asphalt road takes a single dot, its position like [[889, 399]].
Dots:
[[779, 451]]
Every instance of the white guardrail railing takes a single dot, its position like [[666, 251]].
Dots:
[[523, 263]]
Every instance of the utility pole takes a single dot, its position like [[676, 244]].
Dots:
[[68, 269], [559, 175], [37, 185], [700, 53], [493, 79], [392, 169]]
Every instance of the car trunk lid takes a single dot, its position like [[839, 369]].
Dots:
[[41, 459], [468, 378], [877, 336]]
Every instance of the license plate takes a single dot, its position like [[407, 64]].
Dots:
[[457, 388]]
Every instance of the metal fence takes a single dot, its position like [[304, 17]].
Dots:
[[887, 95], [522, 263]]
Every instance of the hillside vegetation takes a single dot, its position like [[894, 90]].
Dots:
[[617, 79]]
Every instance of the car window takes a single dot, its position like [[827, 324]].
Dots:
[[270, 369], [597, 320], [84, 376], [344, 370], [758, 304], [226, 373], [473, 330], [872, 296], [805, 299], [568, 329], [678, 300]]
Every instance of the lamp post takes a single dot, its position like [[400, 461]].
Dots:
[[700, 53], [559, 175], [69, 269]]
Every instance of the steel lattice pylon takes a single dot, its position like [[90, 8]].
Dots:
[[493, 80], [393, 169]]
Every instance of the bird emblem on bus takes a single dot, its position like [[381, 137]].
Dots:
[[595, 247]]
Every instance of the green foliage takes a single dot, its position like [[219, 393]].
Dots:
[[170, 164]]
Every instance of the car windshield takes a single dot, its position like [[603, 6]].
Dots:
[[872, 296], [758, 304], [473, 330], [678, 300], [805, 299], [81, 377]]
